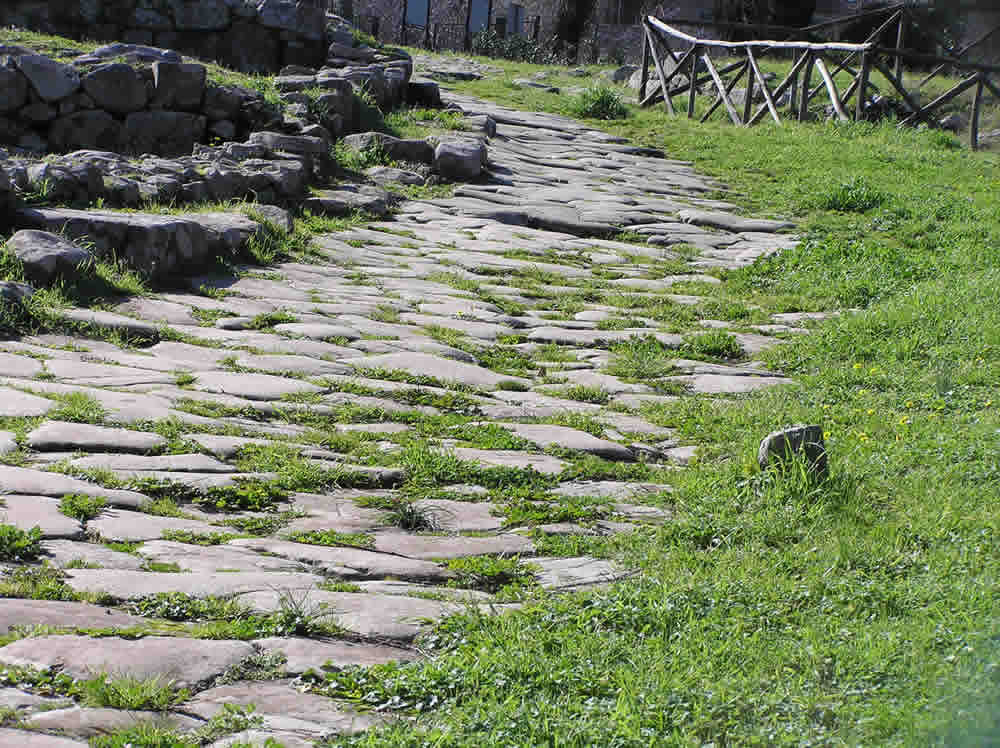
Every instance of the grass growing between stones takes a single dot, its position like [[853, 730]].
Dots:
[[775, 608]]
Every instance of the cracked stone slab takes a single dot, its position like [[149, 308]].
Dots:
[[461, 516], [428, 365], [511, 458], [57, 435], [129, 585], [331, 654], [544, 435], [389, 617], [452, 546], [208, 559], [187, 662], [27, 512], [584, 571], [607, 489], [17, 404], [731, 222], [725, 384], [190, 463], [62, 552], [31, 739], [276, 701], [28, 482], [87, 723], [346, 562], [122, 525], [252, 386], [58, 613]]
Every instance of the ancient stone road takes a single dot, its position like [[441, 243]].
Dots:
[[435, 297]]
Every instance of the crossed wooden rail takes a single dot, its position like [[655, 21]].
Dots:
[[693, 67]]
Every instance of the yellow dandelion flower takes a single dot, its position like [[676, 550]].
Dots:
[[857, 366]]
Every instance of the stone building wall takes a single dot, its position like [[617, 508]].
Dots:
[[248, 35]]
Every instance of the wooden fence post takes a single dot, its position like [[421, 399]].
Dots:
[[901, 41], [866, 69], [977, 108], [806, 78], [645, 62], [692, 88], [748, 97]]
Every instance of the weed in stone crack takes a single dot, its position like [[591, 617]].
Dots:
[[19, 545], [144, 735], [198, 538], [178, 606], [162, 567], [298, 616], [640, 359], [184, 378], [713, 344], [333, 538], [262, 526], [268, 320], [491, 574], [585, 394], [83, 508], [256, 667], [129, 692], [407, 514], [246, 495], [47, 682], [78, 407], [519, 513]]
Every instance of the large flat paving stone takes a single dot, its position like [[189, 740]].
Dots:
[[279, 703], [88, 723], [28, 482], [428, 365], [347, 563], [731, 222], [8, 442], [208, 559], [17, 404], [42, 512], [129, 585], [197, 463], [56, 613], [510, 458], [252, 386], [31, 739], [187, 662], [545, 435], [61, 552], [725, 384], [331, 654], [57, 435], [607, 489], [564, 573], [23, 367], [123, 525], [461, 516], [452, 546], [385, 617]]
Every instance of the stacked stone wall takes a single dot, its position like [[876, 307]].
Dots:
[[246, 35]]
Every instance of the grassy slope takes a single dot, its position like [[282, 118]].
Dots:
[[775, 611]]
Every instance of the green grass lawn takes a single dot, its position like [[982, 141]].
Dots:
[[774, 609]]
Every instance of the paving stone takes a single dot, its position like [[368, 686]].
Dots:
[[31, 739], [191, 463], [730, 222], [123, 525], [562, 573], [424, 364], [13, 698], [111, 322], [385, 617], [88, 723], [57, 613], [128, 585], [208, 559], [545, 435], [261, 738], [27, 512], [17, 404], [252, 386], [451, 546], [606, 489], [58, 435], [224, 447], [348, 563], [610, 384], [461, 516], [320, 655], [61, 552], [509, 458], [724, 384], [8, 442], [278, 700], [28, 482], [19, 366]]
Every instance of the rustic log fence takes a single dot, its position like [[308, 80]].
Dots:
[[693, 67]]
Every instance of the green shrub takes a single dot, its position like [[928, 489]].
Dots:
[[83, 508], [489, 43], [18, 545], [599, 102], [856, 196]]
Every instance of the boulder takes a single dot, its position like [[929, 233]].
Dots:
[[395, 148], [46, 255], [423, 93], [135, 53], [90, 129], [179, 86], [460, 159], [13, 89], [117, 88], [780, 447], [200, 15], [308, 21], [249, 47], [347, 52], [390, 175], [620, 75], [50, 79], [164, 133], [223, 102], [347, 199], [13, 292]]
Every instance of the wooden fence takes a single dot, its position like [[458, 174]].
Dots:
[[693, 67]]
